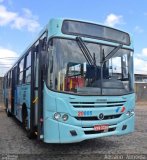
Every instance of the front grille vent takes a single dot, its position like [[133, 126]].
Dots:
[[97, 104], [95, 118]]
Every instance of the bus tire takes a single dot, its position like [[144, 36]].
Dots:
[[24, 117], [7, 110], [30, 135]]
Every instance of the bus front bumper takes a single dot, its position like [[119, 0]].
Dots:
[[66, 133]]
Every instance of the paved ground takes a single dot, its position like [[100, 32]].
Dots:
[[13, 140]]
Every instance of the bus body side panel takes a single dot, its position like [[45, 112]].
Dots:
[[15, 101], [22, 98], [4, 90], [51, 127], [9, 90], [6, 96], [14, 82]]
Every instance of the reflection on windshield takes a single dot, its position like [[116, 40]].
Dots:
[[69, 70]]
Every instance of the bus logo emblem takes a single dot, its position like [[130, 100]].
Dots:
[[101, 116]]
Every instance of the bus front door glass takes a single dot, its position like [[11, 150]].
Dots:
[[36, 86]]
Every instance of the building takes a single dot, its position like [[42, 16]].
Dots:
[[141, 86], [140, 77]]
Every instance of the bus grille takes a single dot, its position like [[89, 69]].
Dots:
[[94, 118], [97, 104]]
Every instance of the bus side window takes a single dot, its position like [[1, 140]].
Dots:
[[7, 80], [20, 71], [10, 79], [27, 77], [36, 69]]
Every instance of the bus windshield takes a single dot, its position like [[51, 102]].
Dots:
[[70, 71]]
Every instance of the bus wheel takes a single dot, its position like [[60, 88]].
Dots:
[[7, 110], [25, 117], [8, 113], [31, 135]]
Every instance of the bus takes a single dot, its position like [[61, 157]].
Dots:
[[74, 82]]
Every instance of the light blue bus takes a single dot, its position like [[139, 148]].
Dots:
[[74, 82]]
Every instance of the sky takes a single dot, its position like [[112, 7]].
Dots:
[[21, 21]]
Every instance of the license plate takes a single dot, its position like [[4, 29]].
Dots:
[[101, 127]]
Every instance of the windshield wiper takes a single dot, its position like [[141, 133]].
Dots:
[[112, 53], [91, 60]]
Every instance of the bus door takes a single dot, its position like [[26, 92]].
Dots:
[[34, 90], [40, 83], [14, 82], [9, 93], [36, 117]]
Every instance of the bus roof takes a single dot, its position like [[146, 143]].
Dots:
[[60, 20]]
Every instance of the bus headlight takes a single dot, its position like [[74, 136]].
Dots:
[[57, 116], [65, 117], [130, 113]]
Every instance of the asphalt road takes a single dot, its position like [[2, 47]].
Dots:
[[13, 140]]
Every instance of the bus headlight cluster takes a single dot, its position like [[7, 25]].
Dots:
[[130, 112], [58, 116], [65, 117]]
